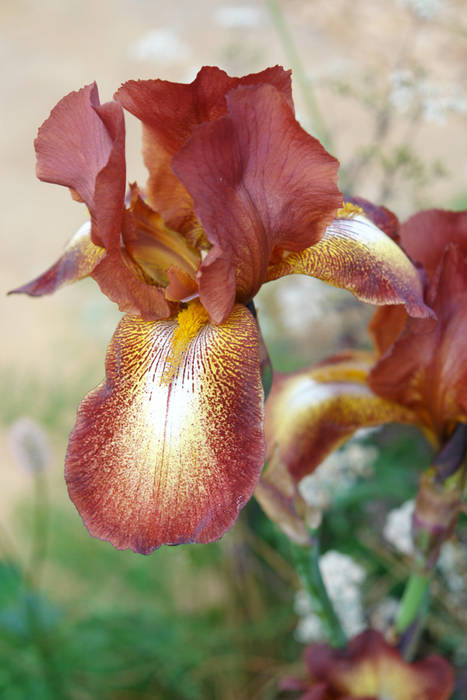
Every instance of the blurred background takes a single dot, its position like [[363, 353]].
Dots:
[[383, 85]]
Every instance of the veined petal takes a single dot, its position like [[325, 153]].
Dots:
[[169, 113], [259, 184], [78, 261], [170, 446], [310, 413], [355, 255], [82, 146]]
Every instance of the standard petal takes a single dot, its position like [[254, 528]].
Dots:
[[310, 413], [355, 255], [260, 184], [78, 261], [425, 236], [425, 369], [170, 446], [157, 102], [81, 146]]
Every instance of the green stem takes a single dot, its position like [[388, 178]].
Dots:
[[318, 125], [307, 565], [414, 596]]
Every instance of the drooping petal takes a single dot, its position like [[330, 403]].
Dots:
[[312, 412], [386, 325], [81, 146], [382, 217], [170, 446], [425, 235], [355, 255], [78, 261], [169, 112], [371, 668], [259, 182], [426, 369]]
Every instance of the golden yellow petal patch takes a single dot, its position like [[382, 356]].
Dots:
[[348, 210], [190, 321]]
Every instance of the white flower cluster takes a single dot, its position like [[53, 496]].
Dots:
[[409, 92], [342, 577], [338, 472], [398, 528], [453, 566]]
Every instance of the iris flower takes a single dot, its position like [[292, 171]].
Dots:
[[170, 446], [416, 375], [370, 668]]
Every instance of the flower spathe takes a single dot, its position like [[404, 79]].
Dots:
[[370, 668], [170, 446]]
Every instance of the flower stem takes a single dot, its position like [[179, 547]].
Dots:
[[414, 596], [307, 565]]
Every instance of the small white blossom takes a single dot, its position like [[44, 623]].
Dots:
[[337, 473], [398, 528], [342, 577]]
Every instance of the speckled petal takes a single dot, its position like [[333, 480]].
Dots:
[[310, 413], [169, 447], [356, 255], [79, 260]]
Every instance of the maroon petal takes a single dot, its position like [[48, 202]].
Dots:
[[78, 261], [426, 368], [170, 446], [425, 235], [169, 112], [259, 182], [81, 146]]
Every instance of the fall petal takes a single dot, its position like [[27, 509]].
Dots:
[[169, 447], [310, 413], [81, 146], [78, 261], [382, 217], [259, 182], [355, 255], [155, 102]]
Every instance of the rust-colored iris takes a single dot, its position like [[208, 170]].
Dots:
[[417, 374], [170, 446], [370, 669]]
